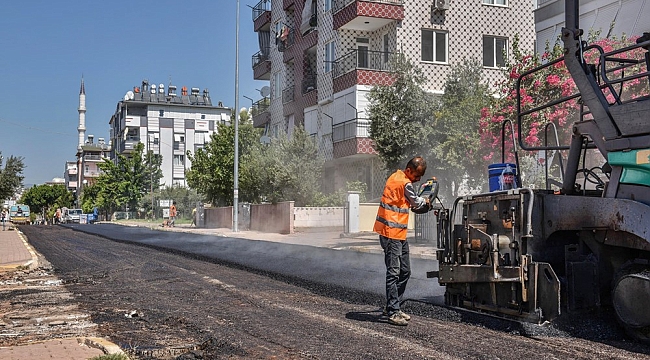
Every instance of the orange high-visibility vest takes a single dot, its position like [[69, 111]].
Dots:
[[393, 214]]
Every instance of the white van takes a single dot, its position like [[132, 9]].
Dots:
[[71, 215]]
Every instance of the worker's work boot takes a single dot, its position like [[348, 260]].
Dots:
[[396, 319], [404, 315]]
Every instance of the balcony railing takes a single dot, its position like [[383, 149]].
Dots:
[[362, 59], [287, 94], [340, 4], [285, 42], [260, 8], [351, 129], [260, 106], [260, 57], [309, 83], [93, 157]]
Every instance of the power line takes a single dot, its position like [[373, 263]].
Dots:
[[35, 128]]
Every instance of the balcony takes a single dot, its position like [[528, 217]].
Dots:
[[351, 138], [286, 39], [261, 65], [309, 83], [288, 94], [260, 112], [92, 158], [366, 15], [262, 15], [362, 67]]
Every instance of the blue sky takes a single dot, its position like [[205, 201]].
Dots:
[[46, 46]]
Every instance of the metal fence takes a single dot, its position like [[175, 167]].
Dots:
[[426, 227], [362, 59]]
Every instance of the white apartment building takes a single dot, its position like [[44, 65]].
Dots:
[[613, 17], [167, 123], [323, 56]]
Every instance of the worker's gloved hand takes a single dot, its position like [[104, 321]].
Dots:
[[422, 210]]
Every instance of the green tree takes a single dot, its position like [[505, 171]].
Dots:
[[291, 169], [401, 115], [11, 178], [47, 198], [456, 158], [212, 172], [89, 197], [124, 183]]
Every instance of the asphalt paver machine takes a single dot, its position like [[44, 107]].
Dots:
[[536, 254]]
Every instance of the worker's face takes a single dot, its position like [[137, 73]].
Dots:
[[415, 175]]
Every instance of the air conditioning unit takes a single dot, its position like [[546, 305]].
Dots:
[[440, 5]]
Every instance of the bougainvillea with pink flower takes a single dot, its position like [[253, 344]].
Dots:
[[545, 86]]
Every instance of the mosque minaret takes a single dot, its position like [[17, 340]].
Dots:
[[82, 115]]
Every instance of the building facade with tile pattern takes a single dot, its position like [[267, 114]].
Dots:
[[322, 57]]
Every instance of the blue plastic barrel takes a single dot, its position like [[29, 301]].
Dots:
[[502, 176]]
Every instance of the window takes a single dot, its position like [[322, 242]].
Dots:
[[202, 116], [199, 138], [179, 160], [495, 2], [277, 85], [386, 47], [363, 45], [161, 113], [494, 50], [434, 46], [178, 140], [330, 56], [328, 5], [154, 138]]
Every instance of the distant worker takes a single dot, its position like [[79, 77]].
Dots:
[[391, 225], [57, 216], [172, 214], [3, 218]]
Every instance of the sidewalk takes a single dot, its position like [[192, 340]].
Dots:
[[16, 254]]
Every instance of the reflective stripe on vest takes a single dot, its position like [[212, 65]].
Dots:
[[393, 213]]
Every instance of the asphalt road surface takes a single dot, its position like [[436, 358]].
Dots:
[[164, 295]]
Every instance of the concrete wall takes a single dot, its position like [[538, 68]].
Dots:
[[220, 217], [275, 218], [367, 215], [319, 217], [283, 218]]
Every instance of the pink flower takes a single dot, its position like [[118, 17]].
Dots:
[[514, 74], [553, 79]]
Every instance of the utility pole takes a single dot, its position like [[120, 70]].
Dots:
[[235, 202]]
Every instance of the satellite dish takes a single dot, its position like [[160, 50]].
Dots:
[[265, 140], [129, 95], [161, 88], [153, 88], [265, 91]]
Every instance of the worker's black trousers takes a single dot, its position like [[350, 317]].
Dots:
[[398, 271]]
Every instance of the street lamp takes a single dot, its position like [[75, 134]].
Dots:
[[252, 101]]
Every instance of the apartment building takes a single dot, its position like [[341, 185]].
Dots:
[[322, 57], [610, 17], [167, 123]]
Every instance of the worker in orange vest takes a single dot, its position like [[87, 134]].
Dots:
[[391, 224]]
